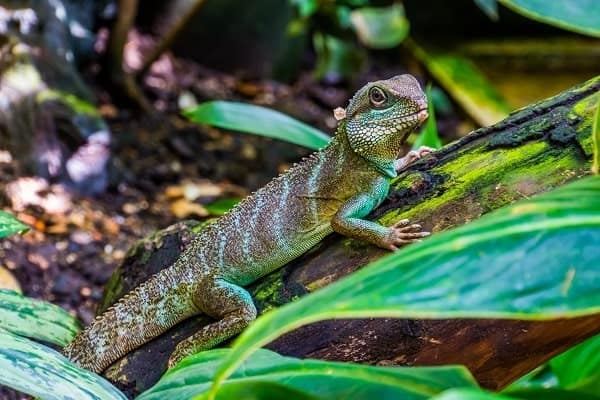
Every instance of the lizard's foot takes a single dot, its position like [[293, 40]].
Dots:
[[411, 157], [403, 232]]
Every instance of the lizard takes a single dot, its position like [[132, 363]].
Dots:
[[332, 190]]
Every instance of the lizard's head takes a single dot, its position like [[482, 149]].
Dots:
[[380, 117]]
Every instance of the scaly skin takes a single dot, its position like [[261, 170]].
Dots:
[[332, 190]]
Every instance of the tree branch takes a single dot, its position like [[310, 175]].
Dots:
[[170, 36]]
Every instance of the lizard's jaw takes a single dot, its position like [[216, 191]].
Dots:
[[422, 115]]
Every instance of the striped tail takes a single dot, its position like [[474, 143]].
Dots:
[[139, 316]]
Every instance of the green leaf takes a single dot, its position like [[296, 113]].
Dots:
[[36, 319], [306, 8], [465, 83], [535, 260], [259, 391], [579, 366], [577, 369], [579, 16], [530, 394], [38, 370], [470, 394], [429, 135], [336, 58], [221, 206], [10, 225], [489, 7], [258, 121], [322, 379], [596, 141], [380, 27]]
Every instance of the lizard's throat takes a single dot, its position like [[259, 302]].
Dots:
[[382, 153]]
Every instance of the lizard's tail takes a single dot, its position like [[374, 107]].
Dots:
[[144, 313]]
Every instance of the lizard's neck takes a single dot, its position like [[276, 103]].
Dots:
[[380, 155]]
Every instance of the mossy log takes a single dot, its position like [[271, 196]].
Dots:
[[535, 149]]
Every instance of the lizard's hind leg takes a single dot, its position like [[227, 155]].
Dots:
[[230, 304]]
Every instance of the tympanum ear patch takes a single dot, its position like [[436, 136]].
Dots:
[[339, 114]]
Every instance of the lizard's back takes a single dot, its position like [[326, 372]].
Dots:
[[279, 222]]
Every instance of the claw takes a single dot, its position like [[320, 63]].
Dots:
[[411, 157], [402, 222], [402, 233]]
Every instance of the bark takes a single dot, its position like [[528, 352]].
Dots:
[[534, 150], [170, 35], [123, 79]]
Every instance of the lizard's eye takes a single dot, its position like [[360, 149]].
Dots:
[[377, 96]]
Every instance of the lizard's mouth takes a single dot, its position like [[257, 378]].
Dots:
[[422, 114]]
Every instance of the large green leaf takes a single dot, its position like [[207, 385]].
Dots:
[[461, 78], [36, 319], [10, 225], [580, 16], [38, 370], [536, 259], [380, 27], [258, 121], [323, 379]]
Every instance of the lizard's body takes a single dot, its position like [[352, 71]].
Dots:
[[332, 190]]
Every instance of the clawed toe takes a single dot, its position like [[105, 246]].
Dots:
[[402, 232]]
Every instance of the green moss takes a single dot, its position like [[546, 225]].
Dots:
[[268, 292], [494, 169], [583, 111]]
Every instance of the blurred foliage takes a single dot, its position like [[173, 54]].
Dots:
[[10, 225], [429, 135], [342, 24], [489, 7], [380, 27], [581, 16], [465, 83], [336, 58]]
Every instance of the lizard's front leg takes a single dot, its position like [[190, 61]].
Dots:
[[349, 222], [230, 304], [412, 156]]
